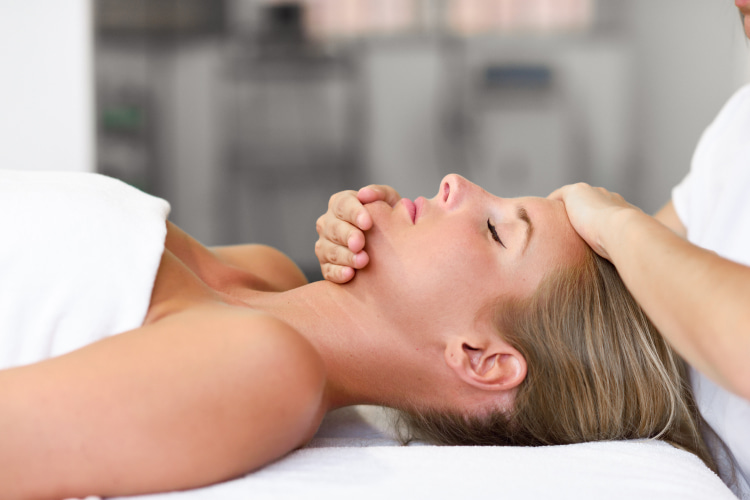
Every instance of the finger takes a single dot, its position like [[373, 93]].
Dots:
[[559, 193], [344, 205], [350, 210], [337, 274], [339, 232], [363, 222], [328, 252], [361, 259], [378, 192], [562, 192], [355, 240]]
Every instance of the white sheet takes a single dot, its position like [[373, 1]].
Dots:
[[353, 457]]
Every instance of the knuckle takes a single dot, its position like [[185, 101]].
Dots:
[[326, 271], [337, 200], [338, 210], [333, 200], [331, 254], [342, 234], [333, 233]]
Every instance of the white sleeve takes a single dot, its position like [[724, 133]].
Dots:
[[713, 203], [709, 168], [681, 199]]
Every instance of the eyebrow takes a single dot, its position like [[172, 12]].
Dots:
[[522, 214]]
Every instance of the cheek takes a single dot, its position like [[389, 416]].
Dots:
[[460, 265], [438, 265]]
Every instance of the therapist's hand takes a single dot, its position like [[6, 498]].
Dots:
[[341, 237], [595, 213]]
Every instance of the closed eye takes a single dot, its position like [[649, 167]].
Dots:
[[493, 231]]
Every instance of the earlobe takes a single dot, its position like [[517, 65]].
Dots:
[[492, 365]]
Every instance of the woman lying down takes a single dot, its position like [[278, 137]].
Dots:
[[137, 360]]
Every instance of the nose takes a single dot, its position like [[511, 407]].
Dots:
[[454, 190]]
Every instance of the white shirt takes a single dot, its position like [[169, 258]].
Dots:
[[713, 203]]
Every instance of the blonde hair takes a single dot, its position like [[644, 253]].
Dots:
[[597, 370]]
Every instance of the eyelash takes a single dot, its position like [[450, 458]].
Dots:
[[494, 233]]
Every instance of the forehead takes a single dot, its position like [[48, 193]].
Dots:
[[554, 240]]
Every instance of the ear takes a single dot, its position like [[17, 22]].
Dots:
[[486, 362]]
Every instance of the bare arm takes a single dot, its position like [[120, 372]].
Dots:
[[668, 216], [698, 300], [198, 397]]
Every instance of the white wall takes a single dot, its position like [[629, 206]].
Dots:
[[46, 85], [690, 57], [646, 86], [405, 96], [191, 129]]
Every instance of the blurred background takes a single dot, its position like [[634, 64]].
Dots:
[[248, 114]]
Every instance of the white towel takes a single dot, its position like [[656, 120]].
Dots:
[[79, 254], [612, 470], [340, 464]]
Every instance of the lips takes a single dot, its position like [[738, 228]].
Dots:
[[411, 209], [419, 205]]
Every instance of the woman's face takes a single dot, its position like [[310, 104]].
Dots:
[[744, 6], [466, 248]]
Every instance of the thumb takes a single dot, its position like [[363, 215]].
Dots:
[[378, 192]]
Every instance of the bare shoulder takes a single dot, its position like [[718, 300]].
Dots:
[[275, 364], [198, 397], [288, 373], [280, 349], [266, 262], [272, 375]]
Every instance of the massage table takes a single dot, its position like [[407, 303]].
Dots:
[[355, 455]]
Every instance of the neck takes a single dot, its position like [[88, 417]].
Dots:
[[368, 359]]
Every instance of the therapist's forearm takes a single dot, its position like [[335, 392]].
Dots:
[[699, 301]]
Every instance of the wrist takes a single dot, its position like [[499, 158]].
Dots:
[[622, 230]]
